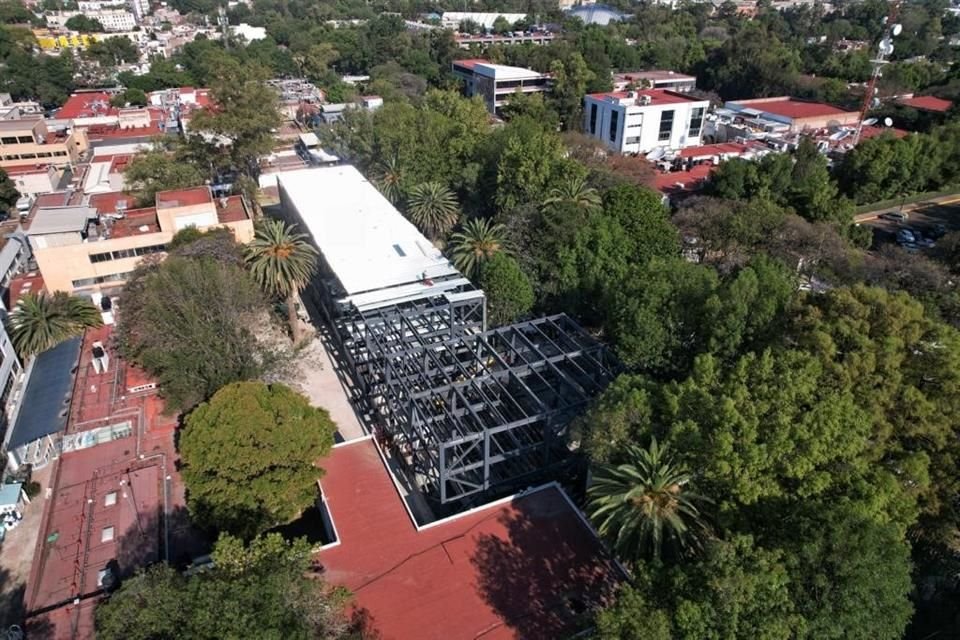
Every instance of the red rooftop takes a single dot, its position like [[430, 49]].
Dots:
[[523, 567]]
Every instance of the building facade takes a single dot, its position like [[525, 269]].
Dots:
[[797, 115], [94, 247], [496, 83], [28, 140], [641, 121]]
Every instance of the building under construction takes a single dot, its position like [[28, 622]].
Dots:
[[469, 411]]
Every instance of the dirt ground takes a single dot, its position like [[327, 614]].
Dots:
[[16, 553], [318, 381]]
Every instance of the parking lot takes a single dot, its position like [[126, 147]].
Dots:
[[925, 221]]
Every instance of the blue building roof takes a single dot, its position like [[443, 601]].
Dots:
[[46, 402], [10, 493]]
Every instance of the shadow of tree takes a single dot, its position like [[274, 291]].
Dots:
[[547, 574], [153, 538]]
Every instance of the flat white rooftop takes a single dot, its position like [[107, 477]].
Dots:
[[504, 72], [370, 247]]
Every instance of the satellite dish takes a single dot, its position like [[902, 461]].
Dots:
[[888, 122], [869, 122], [897, 29]]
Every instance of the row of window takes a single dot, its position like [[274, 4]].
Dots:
[[34, 156], [89, 282], [665, 128], [127, 253], [17, 140]]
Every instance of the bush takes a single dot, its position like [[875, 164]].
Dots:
[[32, 489]]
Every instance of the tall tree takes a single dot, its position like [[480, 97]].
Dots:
[[644, 502], [156, 170], [189, 322], [282, 261], [250, 455], [509, 292], [40, 321], [245, 111], [433, 208], [478, 241]]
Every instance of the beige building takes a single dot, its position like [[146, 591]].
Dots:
[[94, 246], [27, 140]]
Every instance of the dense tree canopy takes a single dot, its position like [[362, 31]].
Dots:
[[260, 587], [249, 457], [190, 320]]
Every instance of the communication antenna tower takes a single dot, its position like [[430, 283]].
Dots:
[[884, 50]]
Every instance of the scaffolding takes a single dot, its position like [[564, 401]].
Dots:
[[490, 411]]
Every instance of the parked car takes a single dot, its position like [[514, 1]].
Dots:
[[938, 231], [896, 216], [905, 236]]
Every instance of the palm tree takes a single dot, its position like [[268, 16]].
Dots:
[[476, 242], [389, 179], [639, 504], [575, 192], [433, 208], [282, 261], [40, 321]]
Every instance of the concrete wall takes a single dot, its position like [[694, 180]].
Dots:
[[638, 126]]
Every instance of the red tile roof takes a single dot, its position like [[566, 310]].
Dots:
[[234, 211], [471, 62], [87, 105], [184, 197], [511, 569], [792, 108], [31, 282], [691, 180], [136, 222], [106, 203], [708, 150], [927, 103]]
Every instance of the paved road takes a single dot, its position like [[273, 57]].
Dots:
[[921, 216]]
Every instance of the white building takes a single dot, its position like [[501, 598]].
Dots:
[[452, 19], [343, 212], [641, 121], [248, 33], [139, 8], [496, 83]]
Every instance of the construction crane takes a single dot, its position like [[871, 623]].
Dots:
[[884, 48]]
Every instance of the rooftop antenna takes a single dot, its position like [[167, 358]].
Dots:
[[884, 50]]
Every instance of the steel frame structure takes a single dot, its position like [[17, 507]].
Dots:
[[489, 411]]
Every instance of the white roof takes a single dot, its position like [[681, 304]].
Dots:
[[309, 139], [367, 243], [503, 72], [61, 220]]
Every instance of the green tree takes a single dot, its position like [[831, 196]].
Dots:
[[813, 193], [246, 113], [249, 457], [433, 208], [133, 97], [156, 170], [112, 52], [8, 192], [644, 502], [575, 192], [189, 322], [509, 292], [477, 242], [40, 321], [389, 179], [282, 261], [84, 24], [262, 586], [570, 80]]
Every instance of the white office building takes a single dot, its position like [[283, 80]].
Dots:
[[645, 120], [496, 83]]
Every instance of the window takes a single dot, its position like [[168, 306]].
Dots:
[[59, 153], [399, 251], [8, 140], [28, 156], [110, 499], [89, 282], [614, 125], [120, 254], [593, 119], [633, 140], [107, 534], [696, 122], [666, 126], [25, 139]]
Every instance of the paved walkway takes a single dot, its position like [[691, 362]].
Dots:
[[319, 382]]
